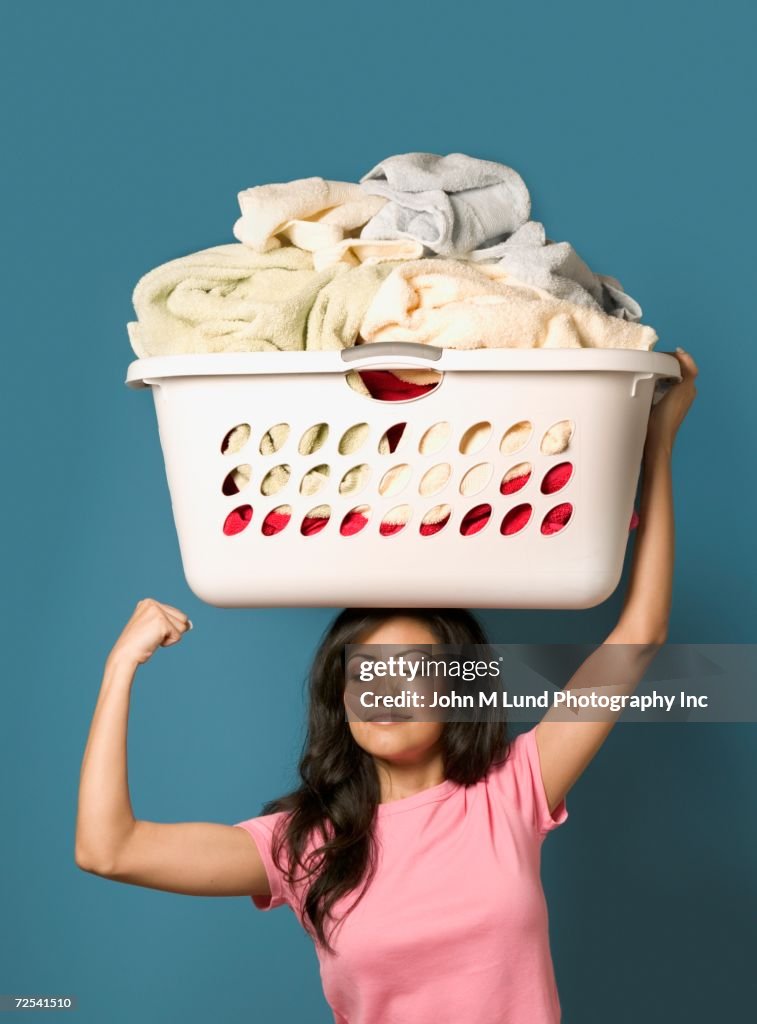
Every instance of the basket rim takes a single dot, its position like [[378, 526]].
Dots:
[[143, 372]]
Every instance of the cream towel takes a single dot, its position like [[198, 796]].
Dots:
[[557, 438], [233, 299], [392, 481], [516, 437], [454, 304], [354, 251], [311, 213]]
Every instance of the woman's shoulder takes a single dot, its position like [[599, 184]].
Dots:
[[268, 832], [270, 824], [516, 780]]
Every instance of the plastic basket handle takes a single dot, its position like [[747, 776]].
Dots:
[[392, 353]]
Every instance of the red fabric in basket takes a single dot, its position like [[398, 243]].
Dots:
[[275, 522]]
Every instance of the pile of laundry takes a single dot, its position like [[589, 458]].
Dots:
[[425, 248]]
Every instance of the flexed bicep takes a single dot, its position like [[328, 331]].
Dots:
[[196, 858]]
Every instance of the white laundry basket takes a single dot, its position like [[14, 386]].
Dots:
[[604, 395]]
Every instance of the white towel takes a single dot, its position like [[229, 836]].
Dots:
[[557, 268], [452, 204]]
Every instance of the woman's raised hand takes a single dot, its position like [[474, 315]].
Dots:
[[669, 413], [152, 625]]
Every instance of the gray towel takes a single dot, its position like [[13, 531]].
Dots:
[[452, 204], [462, 207], [556, 267]]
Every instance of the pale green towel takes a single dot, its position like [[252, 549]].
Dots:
[[233, 299]]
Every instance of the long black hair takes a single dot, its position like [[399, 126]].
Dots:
[[336, 801]]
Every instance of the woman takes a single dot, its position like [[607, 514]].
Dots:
[[410, 851]]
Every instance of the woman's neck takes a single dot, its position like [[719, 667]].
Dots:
[[398, 781]]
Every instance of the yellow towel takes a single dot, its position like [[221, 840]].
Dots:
[[233, 299]]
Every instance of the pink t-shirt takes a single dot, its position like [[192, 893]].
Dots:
[[453, 927]]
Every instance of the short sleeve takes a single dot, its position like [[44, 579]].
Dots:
[[519, 781], [261, 829]]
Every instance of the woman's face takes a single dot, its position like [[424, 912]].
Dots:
[[391, 734]]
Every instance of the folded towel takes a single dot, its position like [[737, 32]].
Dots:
[[233, 299], [455, 304], [310, 213], [354, 251], [321, 217], [452, 204], [556, 267]]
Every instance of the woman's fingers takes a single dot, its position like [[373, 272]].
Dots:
[[176, 621], [182, 624], [152, 625], [175, 631], [689, 368], [175, 613], [668, 414]]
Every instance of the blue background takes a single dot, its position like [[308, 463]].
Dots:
[[128, 130]]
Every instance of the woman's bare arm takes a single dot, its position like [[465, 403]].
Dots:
[[197, 858], [567, 746]]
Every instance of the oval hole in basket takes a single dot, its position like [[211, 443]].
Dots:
[[276, 520], [355, 520], [435, 438], [556, 477], [516, 519], [557, 438], [235, 439], [435, 520], [353, 438], [237, 520], [395, 480], [475, 520], [395, 519], [313, 439], [516, 437], [385, 386], [315, 479], [355, 479], [515, 479], [237, 479], [435, 479], [315, 520], [390, 439], [275, 479], [557, 519], [476, 478], [475, 438], [274, 438]]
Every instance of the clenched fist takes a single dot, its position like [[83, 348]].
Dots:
[[152, 625]]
